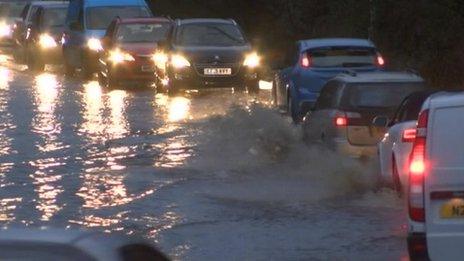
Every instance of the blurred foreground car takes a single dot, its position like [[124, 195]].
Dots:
[[310, 64], [207, 53], [43, 43], [20, 32], [349, 112], [395, 147], [436, 181], [129, 45], [51, 245], [10, 13], [86, 24]]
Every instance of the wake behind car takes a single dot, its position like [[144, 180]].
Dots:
[[43, 43], [436, 181], [86, 24], [10, 13], [309, 64], [347, 114], [207, 53], [129, 45]]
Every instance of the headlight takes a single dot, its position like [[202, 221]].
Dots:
[[46, 41], [5, 30], [94, 44], [179, 61], [118, 56], [160, 59], [252, 60]]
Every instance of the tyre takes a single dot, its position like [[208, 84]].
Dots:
[[293, 110], [274, 93], [253, 87], [396, 179], [102, 80], [34, 63], [172, 90], [69, 70], [87, 72]]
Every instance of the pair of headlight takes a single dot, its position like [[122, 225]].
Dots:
[[178, 61]]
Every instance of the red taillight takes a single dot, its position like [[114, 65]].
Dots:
[[305, 61], [341, 121], [409, 135], [417, 170], [380, 60]]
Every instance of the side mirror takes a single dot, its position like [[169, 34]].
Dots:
[[380, 121], [75, 26]]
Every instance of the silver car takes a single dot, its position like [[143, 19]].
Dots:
[[351, 113]]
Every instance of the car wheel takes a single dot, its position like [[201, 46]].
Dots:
[[293, 110], [172, 90], [34, 63], [253, 87], [69, 70], [396, 179], [274, 93], [102, 80]]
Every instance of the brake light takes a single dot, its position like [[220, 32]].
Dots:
[[306, 61], [417, 170], [409, 135], [341, 121], [380, 60]]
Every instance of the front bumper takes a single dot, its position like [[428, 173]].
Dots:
[[194, 78], [133, 71]]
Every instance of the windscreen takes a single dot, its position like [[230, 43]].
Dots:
[[54, 17], [378, 95], [142, 33], [343, 57], [11, 9], [210, 34], [99, 18]]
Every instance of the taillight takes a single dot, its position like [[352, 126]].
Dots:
[[409, 135], [417, 170], [341, 121], [305, 61], [380, 60]]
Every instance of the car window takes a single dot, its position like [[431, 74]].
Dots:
[[209, 34], [98, 18], [342, 57], [54, 17], [328, 98], [142, 33], [31, 13], [378, 95]]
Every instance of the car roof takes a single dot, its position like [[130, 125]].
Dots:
[[378, 77], [143, 20], [114, 3], [204, 20], [333, 42], [445, 97], [47, 2], [64, 4]]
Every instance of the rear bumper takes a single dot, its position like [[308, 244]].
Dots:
[[344, 147], [417, 247]]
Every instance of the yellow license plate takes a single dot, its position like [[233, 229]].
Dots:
[[452, 209]]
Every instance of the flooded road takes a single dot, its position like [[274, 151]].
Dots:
[[215, 175]]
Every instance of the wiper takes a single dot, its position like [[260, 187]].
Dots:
[[356, 64]]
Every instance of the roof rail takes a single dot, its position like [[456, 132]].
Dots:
[[233, 21]]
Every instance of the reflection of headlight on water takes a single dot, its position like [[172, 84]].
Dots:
[[47, 41], [5, 30], [179, 108]]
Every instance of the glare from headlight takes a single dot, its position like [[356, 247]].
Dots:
[[46, 41], [160, 59], [179, 61], [252, 60], [94, 44], [5, 30], [118, 56]]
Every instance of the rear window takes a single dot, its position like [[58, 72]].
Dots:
[[378, 95], [209, 34], [142, 33], [54, 17], [342, 57], [99, 18]]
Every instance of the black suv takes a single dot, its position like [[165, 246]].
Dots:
[[206, 53]]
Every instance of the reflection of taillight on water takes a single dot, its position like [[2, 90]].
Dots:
[[409, 135], [417, 170]]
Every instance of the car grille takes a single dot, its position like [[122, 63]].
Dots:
[[199, 68]]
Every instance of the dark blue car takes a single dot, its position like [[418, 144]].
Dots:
[[311, 63]]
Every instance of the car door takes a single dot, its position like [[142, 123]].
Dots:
[[291, 58]]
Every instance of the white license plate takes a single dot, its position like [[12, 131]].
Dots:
[[218, 71], [148, 68]]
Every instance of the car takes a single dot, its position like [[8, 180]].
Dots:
[[43, 42], [129, 46], [10, 13], [436, 180], [348, 114], [207, 53], [55, 244], [20, 31], [86, 24], [309, 64], [395, 147]]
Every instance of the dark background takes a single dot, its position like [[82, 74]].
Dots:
[[425, 35]]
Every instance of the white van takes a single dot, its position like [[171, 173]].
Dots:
[[436, 181]]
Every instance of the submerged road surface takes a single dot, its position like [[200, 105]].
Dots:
[[206, 176]]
